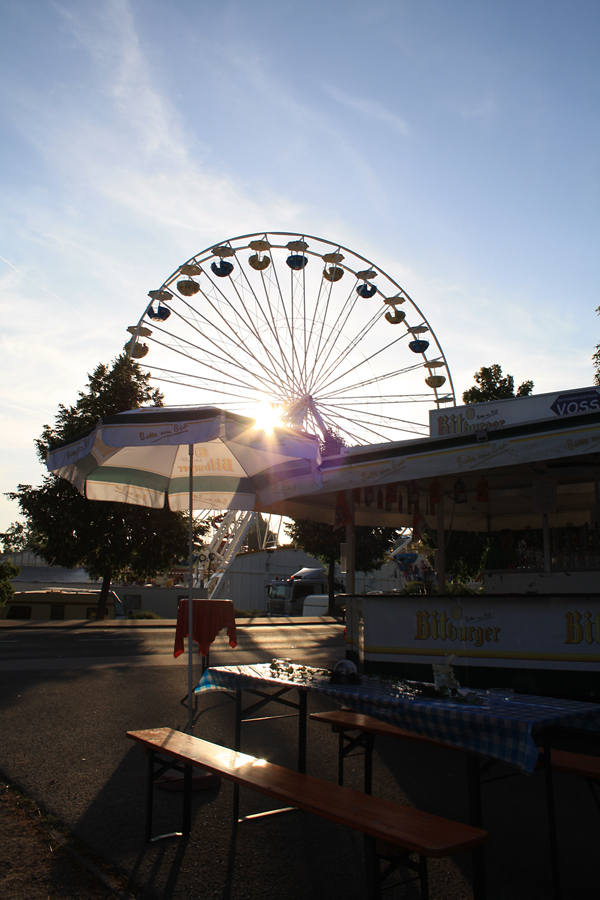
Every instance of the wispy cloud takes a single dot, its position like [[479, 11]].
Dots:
[[371, 109], [484, 109]]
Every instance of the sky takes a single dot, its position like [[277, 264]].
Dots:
[[452, 142]]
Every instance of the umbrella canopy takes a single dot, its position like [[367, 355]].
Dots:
[[192, 458], [143, 457]]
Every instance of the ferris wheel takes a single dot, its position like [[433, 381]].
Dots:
[[298, 328]]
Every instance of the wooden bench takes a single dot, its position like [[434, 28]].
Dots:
[[587, 767], [392, 832], [344, 720]]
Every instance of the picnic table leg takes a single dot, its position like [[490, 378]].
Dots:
[[302, 708], [547, 760], [149, 794], [237, 746], [341, 757], [372, 868], [475, 819], [369, 745], [187, 800]]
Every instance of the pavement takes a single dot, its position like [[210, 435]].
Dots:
[[62, 742]]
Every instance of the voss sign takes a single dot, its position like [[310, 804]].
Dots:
[[490, 416], [578, 402]]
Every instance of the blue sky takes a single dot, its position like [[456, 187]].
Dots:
[[452, 142]]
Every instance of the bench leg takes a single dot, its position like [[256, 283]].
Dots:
[[341, 758], [475, 819], [547, 761], [187, 801], [345, 747], [369, 745], [302, 709], [372, 869], [395, 859], [424, 879], [594, 786], [237, 746], [149, 794]]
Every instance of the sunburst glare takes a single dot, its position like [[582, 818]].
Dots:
[[267, 416]]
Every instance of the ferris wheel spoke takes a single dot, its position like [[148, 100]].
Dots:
[[346, 427], [322, 325], [241, 380], [378, 379], [334, 365], [362, 362], [219, 391], [275, 317], [269, 320], [234, 334], [205, 325], [260, 342], [381, 350], [288, 318], [238, 348], [377, 429], [178, 344], [298, 290], [241, 390], [285, 314], [380, 400], [335, 335], [378, 416], [334, 427]]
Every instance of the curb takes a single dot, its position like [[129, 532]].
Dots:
[[242, 622]]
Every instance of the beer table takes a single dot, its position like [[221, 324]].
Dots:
[[497, 729]]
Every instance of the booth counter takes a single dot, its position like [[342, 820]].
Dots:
[[538, 644]]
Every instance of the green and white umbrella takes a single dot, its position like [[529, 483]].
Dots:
[[190, 458], [146, 456]]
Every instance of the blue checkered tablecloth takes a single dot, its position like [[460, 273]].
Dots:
[[501, 729]]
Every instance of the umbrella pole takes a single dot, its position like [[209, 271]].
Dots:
[[191, 594], [350, 545]]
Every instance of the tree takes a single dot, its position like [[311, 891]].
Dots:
[[105, 538], [596, 358], [14, 538], [260, 535], [7, 572], [492, 386], [319, 539], [464, 552]]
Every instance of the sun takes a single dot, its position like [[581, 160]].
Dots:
[[266, 415]]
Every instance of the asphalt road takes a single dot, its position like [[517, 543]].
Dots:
[[67, 703], [71, 646]]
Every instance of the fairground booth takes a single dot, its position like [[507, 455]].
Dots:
[[526, 471]]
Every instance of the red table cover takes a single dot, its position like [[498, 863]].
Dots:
[[209, 617]]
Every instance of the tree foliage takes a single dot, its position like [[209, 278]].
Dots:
[[493, 386], [14, 539], [596, 359], [105, 538], [464, 552], [109, 391], [321, 541], [260, 535], [7, 572]]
